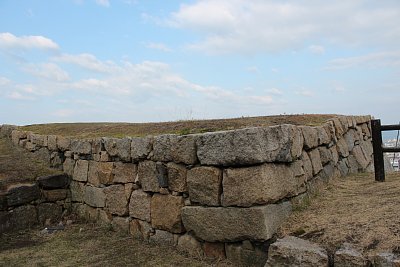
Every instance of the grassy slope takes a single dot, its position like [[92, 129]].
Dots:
[[84, 130], [353, 209]]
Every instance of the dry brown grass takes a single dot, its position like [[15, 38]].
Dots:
[[18, 166], [94, 246], [354, 209], [101, 129]]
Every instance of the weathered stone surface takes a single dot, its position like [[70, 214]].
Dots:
[[141, 147], [43, 154], [116, 202], [189, 245], [179, 149], [348, 256], [177, 177], [54, 195], [315, 160], [16, 136], [323, 136], [343, 167], [335, 154], [63, 143], [162, 176], [52, 142], [162, 238], [3, 201], [121, 224], [307, 165], [77, 191], [350, 137], [100, 173], [82, 147], [214, 250], [342, 148], [147, 175], [310, 135], [325, 155], [246, 255], [118, 147], [352, 164], [49, 211], [104, 217], [249, 146], [293, 251], [124, 172], [95, 196], [81, 170], [97, 145], [261, 184], [139, 205], [56, 160], [140, 230], [30, 146], [338, 127], [204, 185], [68, 166], [20, 218], [22, 194], [166, 213], [54, 181], [235, 224], [37, 139]]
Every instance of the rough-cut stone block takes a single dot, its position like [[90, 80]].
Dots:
[[100, 173], [315, 161], [204, 185], [116, 202], [54, 181], [16, 136], [37, 139], [179, 149], [56, 160], [246, 255], [342, 148], [335, 154], [190, 245], [81, 171], [49, 211], [214, 250], [97, 145], [120, 148], [141, 147], [30, 146], [77, 191], [166, 213], [162, 238], [307, 165], [22, 194], [267, 183], [52, 142], [323, 137], [343, 167], [360, 157], [177, 177], [350, 137], [139, 205], [95, 196], [82, 147], [235, 224], [124, 172], [43, 154], [325, 155], [310, 135], [338, 127], [147, 175], [349, 256], [54, 195], [249, 146], [293, 251], [63, 143], [68, 166]]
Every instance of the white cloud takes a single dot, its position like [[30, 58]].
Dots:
[[158, 46], [87, 61], [316, 49], [275, 91], [19, 96], [8, 40], [4, 81], [228, 26], [48, 71], [373, 60], [105, 3], [253, 69], [306, 93]]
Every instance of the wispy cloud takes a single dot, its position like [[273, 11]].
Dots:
[[274, 91], [10, 41], [252, 69], [316, 49], [306, 93], [158, 46], [373, 60], [49, 71], [87, 61], [105, 3]]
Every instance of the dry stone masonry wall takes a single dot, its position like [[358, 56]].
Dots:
[[219, 194]]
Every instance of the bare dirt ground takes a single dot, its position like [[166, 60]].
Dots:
[[353, 209], [101, 129]]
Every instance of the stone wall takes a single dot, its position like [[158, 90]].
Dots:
[[220, 194]]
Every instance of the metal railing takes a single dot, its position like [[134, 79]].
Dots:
[[377, 129]]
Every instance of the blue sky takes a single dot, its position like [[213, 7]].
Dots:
[[140, 61]]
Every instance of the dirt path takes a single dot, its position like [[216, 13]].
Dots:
[[353, 209]]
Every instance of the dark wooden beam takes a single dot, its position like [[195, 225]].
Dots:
[[378, 151]]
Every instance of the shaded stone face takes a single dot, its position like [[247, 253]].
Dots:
[[177, 177], [124, 172], [100, 173], [120, 148], [95, 196], [49, 211], [166, 213], [53, 181], [179, 149], [116, 202], [147, 175], [63, 143], [22, 194], [139, 205], [77, 191], [141, 148], [221, 224], [81, 170], [267, 183], [83, 147], [204, 184]]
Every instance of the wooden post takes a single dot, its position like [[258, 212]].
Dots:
[[378, 153]]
